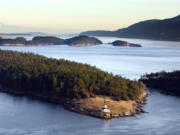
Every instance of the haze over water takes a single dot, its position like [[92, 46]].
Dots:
[[22, 116]]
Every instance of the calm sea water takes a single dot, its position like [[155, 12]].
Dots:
[[23, 116]]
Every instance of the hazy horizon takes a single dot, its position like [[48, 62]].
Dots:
[[69, 16]]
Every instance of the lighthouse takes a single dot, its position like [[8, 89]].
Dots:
[[105, 109]]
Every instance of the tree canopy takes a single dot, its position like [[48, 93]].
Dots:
[[27, 72], [167, 82]]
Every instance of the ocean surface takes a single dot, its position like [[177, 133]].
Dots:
[[23, 116]]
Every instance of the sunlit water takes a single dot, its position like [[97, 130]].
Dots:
[[22, 116]]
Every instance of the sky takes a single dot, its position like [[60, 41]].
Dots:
[[73, 16]]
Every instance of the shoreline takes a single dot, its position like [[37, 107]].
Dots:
[[135, 108], [78, 105]]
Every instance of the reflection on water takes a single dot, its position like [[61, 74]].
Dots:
[[23, 116]]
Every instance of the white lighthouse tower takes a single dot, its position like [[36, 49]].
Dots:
[[105, 109]]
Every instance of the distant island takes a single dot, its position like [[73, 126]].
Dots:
[[166, 82], [124, 43], [78, 87], [167, 29], [82, 41], [50, 40]]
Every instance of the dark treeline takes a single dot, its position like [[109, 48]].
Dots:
[[167, 82], [29, 73]]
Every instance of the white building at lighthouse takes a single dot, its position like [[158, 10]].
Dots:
[[105, 109]]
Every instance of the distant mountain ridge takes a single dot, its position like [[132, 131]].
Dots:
[[167, 29]]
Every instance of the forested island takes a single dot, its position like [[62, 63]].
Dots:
[[83, 41], [50, 40], [124, 43], [78, 87], [166, 82]]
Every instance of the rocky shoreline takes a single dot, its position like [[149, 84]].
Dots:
[[98, 114], [74, 105]]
